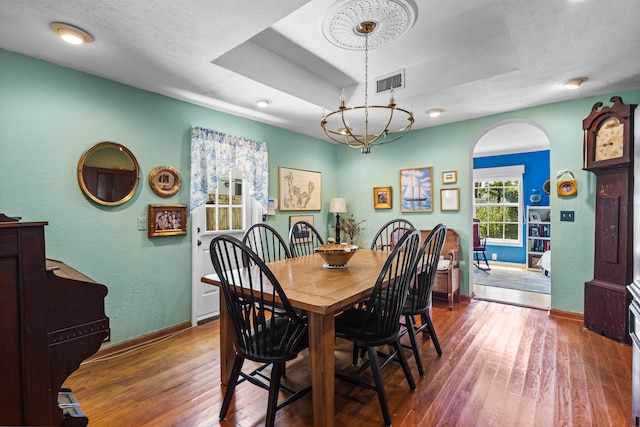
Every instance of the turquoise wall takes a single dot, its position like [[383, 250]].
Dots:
[[50, 115]]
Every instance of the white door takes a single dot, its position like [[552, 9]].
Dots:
[[205, 298]]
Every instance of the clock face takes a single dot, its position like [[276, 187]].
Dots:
[[609, 140]]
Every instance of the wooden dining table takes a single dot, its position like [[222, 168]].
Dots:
[[321, 293]]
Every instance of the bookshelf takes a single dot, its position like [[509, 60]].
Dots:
[[538, 234]]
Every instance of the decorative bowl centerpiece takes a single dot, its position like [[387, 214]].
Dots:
[[336, 255]]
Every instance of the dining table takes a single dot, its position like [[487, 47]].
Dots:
[[321, 293]]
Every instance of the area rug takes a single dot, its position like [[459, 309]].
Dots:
[[521, 280]]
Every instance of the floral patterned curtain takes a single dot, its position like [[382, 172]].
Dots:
[[214, 153]]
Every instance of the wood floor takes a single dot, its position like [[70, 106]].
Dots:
[[502, 365]]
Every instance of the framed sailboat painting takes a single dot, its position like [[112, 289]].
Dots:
[[416, 189]]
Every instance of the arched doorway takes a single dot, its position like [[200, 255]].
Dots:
[[510, 162]]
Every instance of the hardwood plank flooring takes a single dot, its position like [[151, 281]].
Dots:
[[503, 365]]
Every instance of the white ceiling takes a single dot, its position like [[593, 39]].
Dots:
[[472, 58]]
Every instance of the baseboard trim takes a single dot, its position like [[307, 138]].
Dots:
[[141, 341], [568, 315]]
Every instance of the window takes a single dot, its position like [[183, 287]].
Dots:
[[225, 210], [497, 204]]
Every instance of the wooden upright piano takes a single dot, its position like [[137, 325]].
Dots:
[[51, 319]]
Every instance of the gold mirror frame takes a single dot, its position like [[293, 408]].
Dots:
[[108, 173]]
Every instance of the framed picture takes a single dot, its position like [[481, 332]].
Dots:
[[165, 181], [167, 220], [382, 197], [301, 234], [416, 189], [450, 177], [300, 190], [450, 199]]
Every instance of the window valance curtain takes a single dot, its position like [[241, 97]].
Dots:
[[214, 153]]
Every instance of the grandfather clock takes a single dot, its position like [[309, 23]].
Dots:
[[608, 153]]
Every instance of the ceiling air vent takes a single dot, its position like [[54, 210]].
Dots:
[[391, 81]]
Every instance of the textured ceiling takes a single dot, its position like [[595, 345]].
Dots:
[[472, 58]]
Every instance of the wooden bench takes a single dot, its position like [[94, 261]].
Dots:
[[447, 282]]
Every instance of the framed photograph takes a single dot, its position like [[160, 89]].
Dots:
[[450, 177], [382, 197], [416, 189], [165, 181], [301, 234], [300, 190], [450, 199], [167, 220]]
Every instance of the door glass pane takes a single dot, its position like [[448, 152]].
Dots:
[[211, 218]]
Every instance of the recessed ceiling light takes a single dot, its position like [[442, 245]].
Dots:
[[574, 83], [263, 102], [435, 112], [71, 34]]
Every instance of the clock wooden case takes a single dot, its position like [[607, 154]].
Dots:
[[608, 152]]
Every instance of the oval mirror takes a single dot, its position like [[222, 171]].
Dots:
[[108, 173]]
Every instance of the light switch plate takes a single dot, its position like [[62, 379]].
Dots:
[[566, 215], [142, 223]]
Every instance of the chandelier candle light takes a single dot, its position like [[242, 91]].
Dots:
[[340, 125], [337, 206]]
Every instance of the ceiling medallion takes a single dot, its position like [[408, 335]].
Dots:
[[393, 18]]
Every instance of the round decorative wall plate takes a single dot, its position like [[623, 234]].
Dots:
[[165, 181]]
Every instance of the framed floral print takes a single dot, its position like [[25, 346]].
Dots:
[[300, 190]]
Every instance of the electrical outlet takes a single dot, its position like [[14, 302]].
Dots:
[[142, 223], [494, 257]]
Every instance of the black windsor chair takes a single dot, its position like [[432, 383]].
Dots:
[[376, 321], [261, 334], [389, 234], [385, 239], [418, 300], [266, 242], [303, 239]]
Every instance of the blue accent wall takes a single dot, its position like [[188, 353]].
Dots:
[[536, 172]]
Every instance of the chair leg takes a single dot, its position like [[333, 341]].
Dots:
[[354, 356], [274, 388], [484, 255], [432, 333], [403, 362], [476, 261], [410, 325], [377, 378], [233, 381]]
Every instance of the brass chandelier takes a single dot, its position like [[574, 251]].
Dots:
[[389, 122]]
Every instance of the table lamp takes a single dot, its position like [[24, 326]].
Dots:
[[338, 205]]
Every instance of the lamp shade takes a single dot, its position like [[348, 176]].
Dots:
[[338, 205]]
